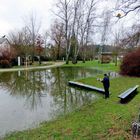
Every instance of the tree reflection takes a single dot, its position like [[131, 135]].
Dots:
[[28, 85], [33, 86], [67, 98]]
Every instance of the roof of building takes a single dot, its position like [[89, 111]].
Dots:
[[2, 40]]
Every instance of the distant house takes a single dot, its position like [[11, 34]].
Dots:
[[105, 57], [6, 53], [4, 43]]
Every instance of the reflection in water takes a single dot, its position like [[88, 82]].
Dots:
[[113, 74], [30, 97], [28, 85]]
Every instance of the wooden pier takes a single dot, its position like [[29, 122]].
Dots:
[[86, 86]]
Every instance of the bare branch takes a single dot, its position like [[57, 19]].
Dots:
[[127, 6]]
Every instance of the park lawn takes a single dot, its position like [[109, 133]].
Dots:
[[100, 120], [95, 64]]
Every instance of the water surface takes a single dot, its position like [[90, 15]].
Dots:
[[30, 97]]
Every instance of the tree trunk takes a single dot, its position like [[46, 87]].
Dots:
[[74, 60], [67, 59], [116, 60]]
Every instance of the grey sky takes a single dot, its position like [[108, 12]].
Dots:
[[12, 13]]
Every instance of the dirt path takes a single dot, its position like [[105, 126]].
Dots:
[[56, 64]]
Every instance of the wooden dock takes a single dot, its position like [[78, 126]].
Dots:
[[86, 86]]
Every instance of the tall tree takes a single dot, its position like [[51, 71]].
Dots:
[[33, 25], [39, 47], [65, 13], [77, 17], [21, 41], [105, 28], [117, 45], [83, 21], [57, 35], [45, 38], [131, 39], [89, 24]]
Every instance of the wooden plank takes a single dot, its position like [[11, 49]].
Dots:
[[86, 86], [128, 92], [124, 94], [134, 88]]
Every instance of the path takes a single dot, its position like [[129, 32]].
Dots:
[[56, 64]]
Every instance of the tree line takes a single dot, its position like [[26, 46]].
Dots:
[[74, 34]]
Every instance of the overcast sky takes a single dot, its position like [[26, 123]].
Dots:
[[12, 13]]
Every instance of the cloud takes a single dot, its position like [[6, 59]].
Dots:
[[5, 27], [12, 12]]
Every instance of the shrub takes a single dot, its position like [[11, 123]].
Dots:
[[6, 56], [5, 64], [131, 64]]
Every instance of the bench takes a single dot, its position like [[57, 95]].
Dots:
[[127, 93], [86, 86]]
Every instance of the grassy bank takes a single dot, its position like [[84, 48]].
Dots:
[[95, 64], [101, 120], [104, 119]]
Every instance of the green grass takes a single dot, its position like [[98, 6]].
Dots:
[[100, 120], [95, 64]]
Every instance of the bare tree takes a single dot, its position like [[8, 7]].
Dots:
[[33, 25], [39, 47], [105, 27], [90, 18], [117, 45], [131, 39], [57, 35], [75, 29], [21, 41], [64, 14], [78, 17]]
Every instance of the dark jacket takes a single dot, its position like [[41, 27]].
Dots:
[[106, 82]]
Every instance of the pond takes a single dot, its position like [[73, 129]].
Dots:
[[29, 97]]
